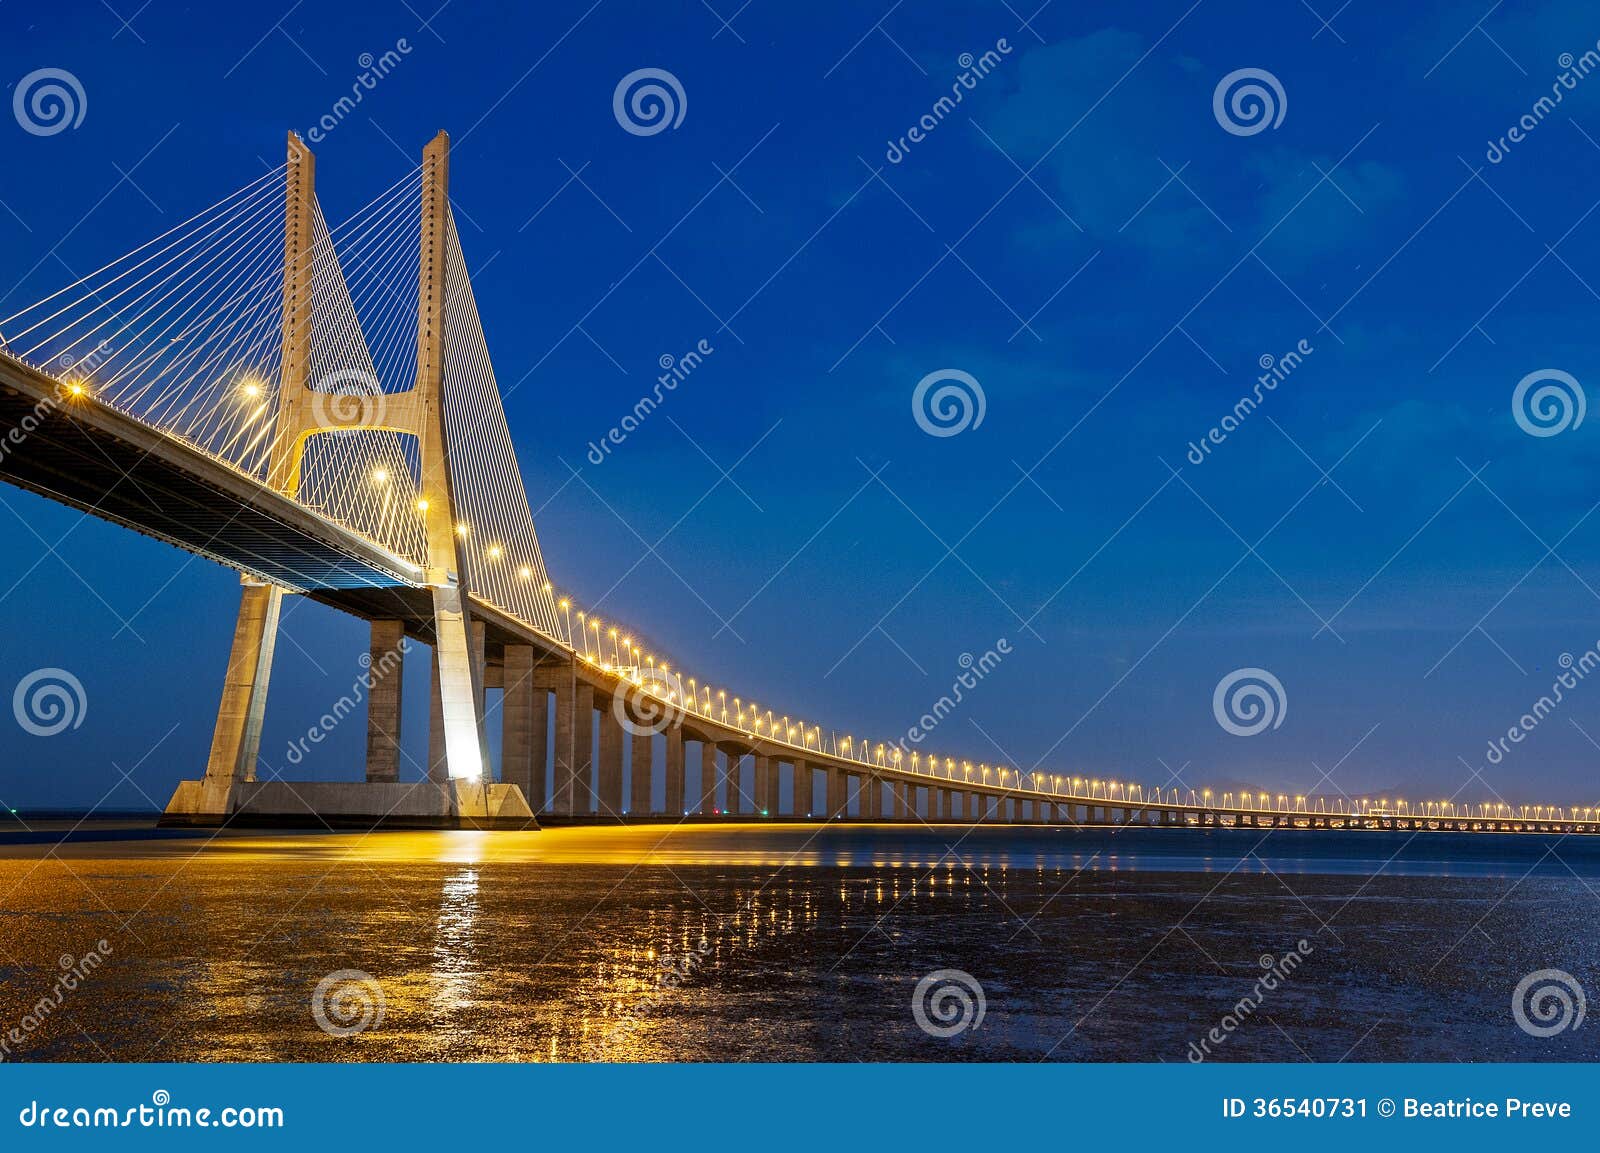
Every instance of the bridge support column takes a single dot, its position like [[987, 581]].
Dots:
[[708, 778], [766, 792], [610, 799], [574, 744], [563, 773], [838, 796], [641, 752], [802, 787], [674, 797], [236, 740], [547, 679], [731, 789], [386, 662], [519, 707]]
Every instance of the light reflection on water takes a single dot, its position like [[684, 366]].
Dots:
[[794, 943]]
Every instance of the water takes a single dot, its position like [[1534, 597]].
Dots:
[[792, 942]]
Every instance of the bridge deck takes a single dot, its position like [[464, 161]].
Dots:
[[103, 462]]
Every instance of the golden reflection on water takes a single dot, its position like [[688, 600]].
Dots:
[[735, 844], [703, 942], [455, 965]]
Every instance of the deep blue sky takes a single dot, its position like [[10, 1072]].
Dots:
[[1426, 293]]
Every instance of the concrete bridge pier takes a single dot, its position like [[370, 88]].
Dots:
[[838, 796], [641, 751], [675, 772], [609, 803], [708, 778], [385, 666], [523, 725], [767, 785], [732, 792], [800, 804], [236, 740], [580, 775]]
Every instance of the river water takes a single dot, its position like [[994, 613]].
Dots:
[[786, 942]]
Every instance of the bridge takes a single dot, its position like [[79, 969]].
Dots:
[[316, 408]]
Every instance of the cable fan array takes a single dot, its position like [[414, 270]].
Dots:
[[185, 334], [365, 478], [503, 561]]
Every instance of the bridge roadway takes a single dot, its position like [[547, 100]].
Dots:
[[99, 460]]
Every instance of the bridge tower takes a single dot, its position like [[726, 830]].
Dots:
[[236, 739], [456, 789]]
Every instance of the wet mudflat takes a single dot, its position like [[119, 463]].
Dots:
[[785, 943]]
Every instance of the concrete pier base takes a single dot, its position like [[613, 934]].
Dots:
[[457, 804]]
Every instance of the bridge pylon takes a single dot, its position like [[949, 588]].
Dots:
[[456, 789]]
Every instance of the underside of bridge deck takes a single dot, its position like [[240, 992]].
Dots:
[[71, 449]]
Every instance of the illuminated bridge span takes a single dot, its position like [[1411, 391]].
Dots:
[[316, 408]]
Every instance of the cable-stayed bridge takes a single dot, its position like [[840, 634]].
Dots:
[[316, 408]]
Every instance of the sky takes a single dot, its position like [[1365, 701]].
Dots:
[[1106, 246]]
